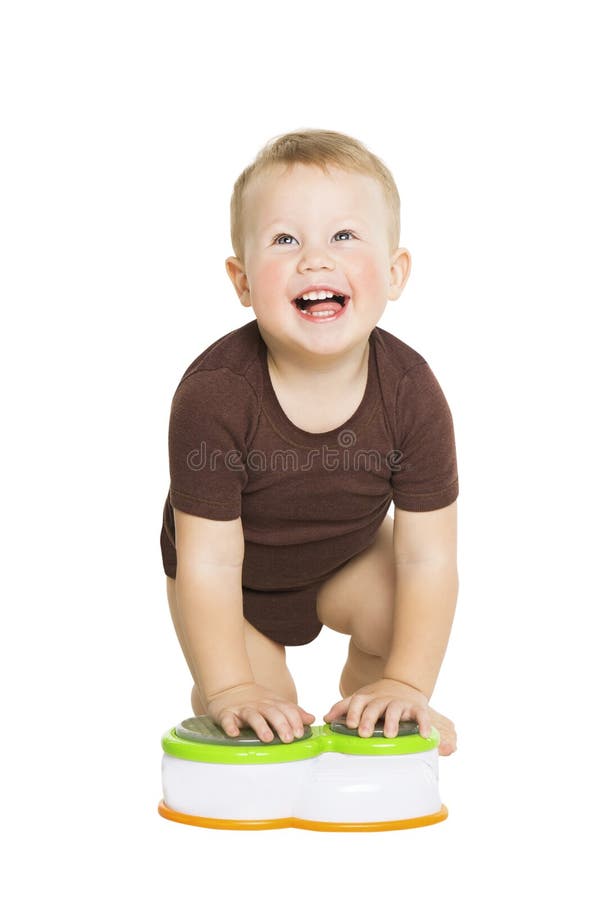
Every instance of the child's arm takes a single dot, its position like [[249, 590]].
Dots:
[[210, 556], [426, 594], [425, 599]]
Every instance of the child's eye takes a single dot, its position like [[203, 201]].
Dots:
[[278, 238]]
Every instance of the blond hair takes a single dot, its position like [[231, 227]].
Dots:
[[313, 146]]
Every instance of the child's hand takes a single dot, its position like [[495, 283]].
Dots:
[[399, 702], [257, 706]]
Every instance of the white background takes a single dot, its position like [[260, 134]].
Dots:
[[125, 125]]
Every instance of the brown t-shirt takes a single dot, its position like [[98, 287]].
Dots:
[[308, 502]]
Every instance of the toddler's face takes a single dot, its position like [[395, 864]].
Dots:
[[304, 228]]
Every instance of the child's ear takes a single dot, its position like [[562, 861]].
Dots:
[[235, 270], [400, 263]]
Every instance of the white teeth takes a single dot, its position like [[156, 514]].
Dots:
[[322, 312], [318, 295]]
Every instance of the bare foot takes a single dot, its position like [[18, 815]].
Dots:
[[447, 732]]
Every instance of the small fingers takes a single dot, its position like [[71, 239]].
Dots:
[[392, 719], [363, 714], [421, 714], [229, 724], [277, 718], [296, 716], [355, 714], [285, 718], [293, 722], [257, 722], [398, 712], [371, 713], [338, 709], [250, 716]]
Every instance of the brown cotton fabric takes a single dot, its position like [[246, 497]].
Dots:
[[308, 502]]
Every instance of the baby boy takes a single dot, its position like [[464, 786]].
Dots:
[[289, 438]]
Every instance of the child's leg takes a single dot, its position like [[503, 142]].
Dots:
[[359, 600], [267, 658]]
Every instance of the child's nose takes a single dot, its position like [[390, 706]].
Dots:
[[315, 257]]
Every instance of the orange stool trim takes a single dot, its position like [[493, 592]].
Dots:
[[257, 825]]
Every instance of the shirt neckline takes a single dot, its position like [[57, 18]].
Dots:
[[317, 437]]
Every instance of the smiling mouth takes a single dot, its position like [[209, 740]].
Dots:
[[329, 308]]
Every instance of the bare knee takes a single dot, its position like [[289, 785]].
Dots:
[[372, 633], [268, 663], [361, 668], [198, 702]]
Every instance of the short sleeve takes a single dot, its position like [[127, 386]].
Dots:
[[424, 473], [210, 422]]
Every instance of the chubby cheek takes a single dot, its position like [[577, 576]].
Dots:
[[268, 280], [368, 275]]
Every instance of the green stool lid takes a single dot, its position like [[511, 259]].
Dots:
[[205, 731], [200, 739], [339, 727]]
